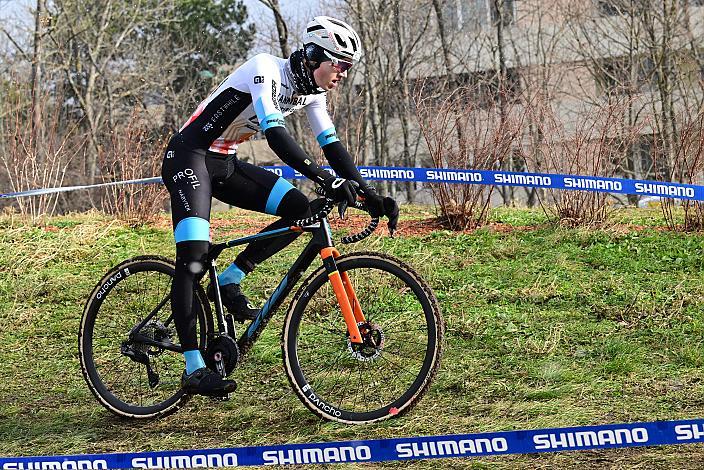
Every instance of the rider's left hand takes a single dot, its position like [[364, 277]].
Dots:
[[381, 206]]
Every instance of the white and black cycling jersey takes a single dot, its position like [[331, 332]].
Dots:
[[255, 97]]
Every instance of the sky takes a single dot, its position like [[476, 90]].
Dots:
[[14, 9], [288, 7]]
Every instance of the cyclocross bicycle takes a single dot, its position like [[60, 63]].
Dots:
[[361, 341]]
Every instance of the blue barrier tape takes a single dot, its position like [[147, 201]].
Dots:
[[506, 178], [609, 436], [483, 177]]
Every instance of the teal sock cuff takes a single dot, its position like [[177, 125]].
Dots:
[[232, 275], [194, 361]]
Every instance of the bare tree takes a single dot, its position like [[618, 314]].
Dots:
[[379, 106], [26, 166], [445, 43], [410, 29], [94, 49], [500, 22], [88, 67], [644, 51], [538, 51], [487, 136], [371, 21], [663, 23], [281, 27], [692, 90]]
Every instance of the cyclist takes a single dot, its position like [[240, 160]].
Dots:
[[200, 162]]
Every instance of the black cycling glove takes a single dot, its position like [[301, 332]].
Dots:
[[340, 189], [381, 206]]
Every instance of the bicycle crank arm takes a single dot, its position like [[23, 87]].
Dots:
[[220, 366]]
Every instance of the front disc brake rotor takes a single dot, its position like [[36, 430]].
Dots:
[[372, 342]]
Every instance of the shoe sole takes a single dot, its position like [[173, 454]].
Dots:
[[225, 392]]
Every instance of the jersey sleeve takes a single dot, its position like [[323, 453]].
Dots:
[[320, 122], [264, 84]]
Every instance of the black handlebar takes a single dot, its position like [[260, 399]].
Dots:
[[328, 206], [373, 224], [318, 216]]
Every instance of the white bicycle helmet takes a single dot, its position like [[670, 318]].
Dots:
[[335, 37]]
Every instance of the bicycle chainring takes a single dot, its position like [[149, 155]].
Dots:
[[222, 348]]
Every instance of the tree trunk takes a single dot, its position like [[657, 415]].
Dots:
[[281, 27], [452, 82], [37, 137], [443, 35], [507, 192], [405, 98]]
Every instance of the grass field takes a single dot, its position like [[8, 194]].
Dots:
[[546, 327]]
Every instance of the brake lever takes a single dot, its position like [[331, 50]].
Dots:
[[342, 209]]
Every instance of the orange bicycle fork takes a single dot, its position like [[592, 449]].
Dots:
[[344, 291]]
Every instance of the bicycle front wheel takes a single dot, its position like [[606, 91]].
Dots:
[[387, 375], [127, 339]]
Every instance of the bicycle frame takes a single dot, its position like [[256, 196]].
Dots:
[[320, 244]]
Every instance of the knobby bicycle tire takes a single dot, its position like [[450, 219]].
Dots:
[[405, 317], [122, 298]]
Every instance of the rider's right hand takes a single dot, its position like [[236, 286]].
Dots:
[[340, 189]]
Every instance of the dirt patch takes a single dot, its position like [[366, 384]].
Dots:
[[356, 223], [246, 224], [249, 224]]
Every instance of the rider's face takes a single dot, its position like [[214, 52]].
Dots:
[[327, 75]]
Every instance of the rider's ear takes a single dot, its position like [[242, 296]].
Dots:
[[311, 64]]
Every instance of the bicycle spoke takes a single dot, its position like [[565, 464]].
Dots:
[[347, 382], [405, 369], [329, 371]]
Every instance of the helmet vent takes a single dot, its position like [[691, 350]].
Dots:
[[315, 28], [335, 22], [340, 40]]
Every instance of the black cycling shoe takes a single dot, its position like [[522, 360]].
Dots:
[[204, 381], [235, 302]]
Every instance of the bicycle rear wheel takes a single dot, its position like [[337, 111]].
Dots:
[[128, 376], [386, 376]]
